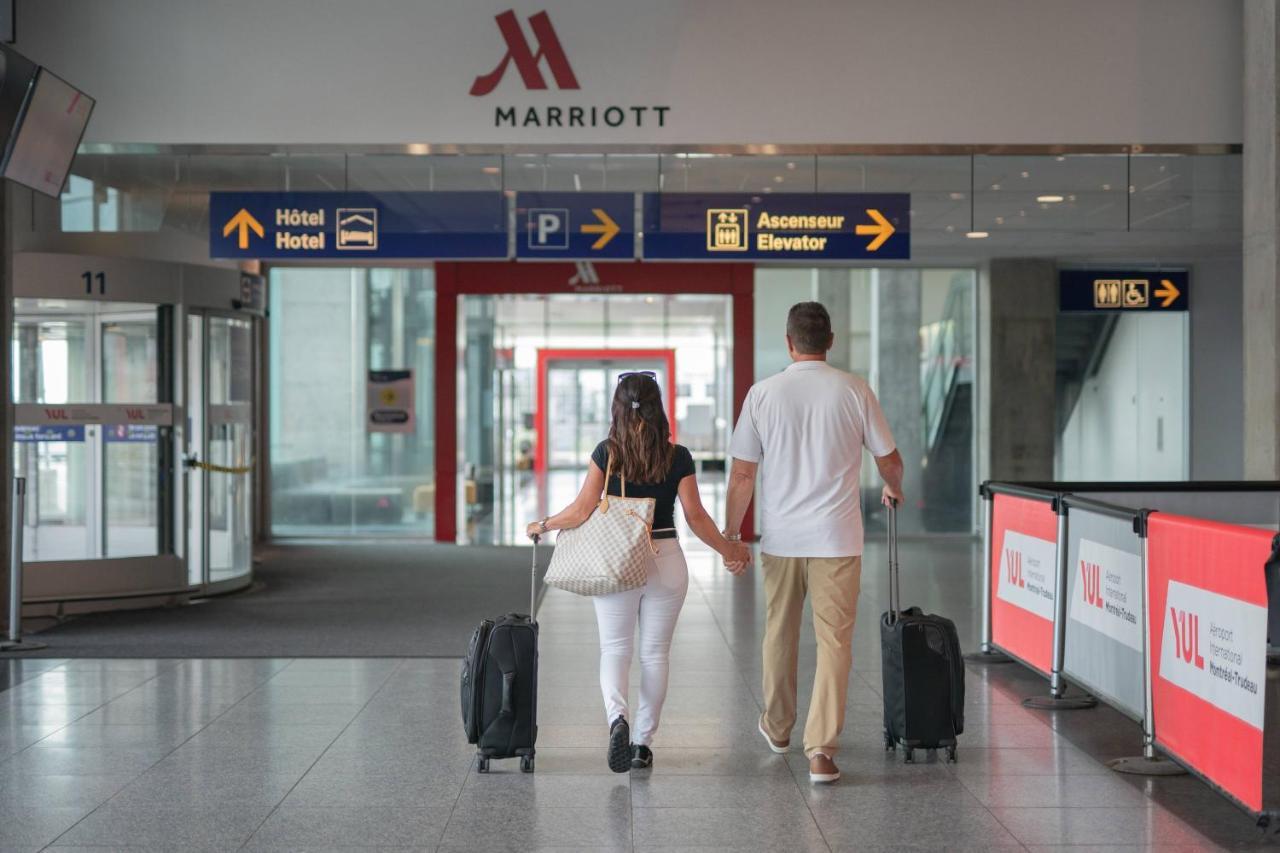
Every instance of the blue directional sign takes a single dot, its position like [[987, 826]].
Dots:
[[48, 432], [1123, 290], [131, 433], [357, 225], [777, 226], [575, 226]]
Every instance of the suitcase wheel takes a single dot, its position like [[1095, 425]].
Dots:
[[951, 755], [482, 764], [909, 757], [526, 764], [889, 743]]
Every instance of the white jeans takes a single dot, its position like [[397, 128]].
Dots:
[[656, 606]]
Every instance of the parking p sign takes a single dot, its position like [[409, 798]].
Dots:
[[575, 226], [548, 228]]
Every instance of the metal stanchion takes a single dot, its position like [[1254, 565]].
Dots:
[[1056, 700], [1149, 763], [17, 519], [986, 652]]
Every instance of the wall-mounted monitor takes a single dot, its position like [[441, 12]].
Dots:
[[48, 133], [16, 75]]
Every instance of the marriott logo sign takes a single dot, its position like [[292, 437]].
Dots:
[[529, 59]]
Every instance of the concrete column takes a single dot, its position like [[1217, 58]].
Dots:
[[833, 292], [1018, 430], [6, 382], [895, 348], [1261, 242]]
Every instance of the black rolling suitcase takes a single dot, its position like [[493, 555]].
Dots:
[[923, 672], [500, 686]]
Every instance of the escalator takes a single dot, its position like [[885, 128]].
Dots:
[[946, 384]]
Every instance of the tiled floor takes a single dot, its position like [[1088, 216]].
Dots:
[[319, 754]]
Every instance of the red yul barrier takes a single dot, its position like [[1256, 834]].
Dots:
[[1208, 622], [1023, 568]]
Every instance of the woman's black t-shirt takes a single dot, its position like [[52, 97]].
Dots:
[[664, 493]]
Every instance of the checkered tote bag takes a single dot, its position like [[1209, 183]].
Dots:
[[610, 551]]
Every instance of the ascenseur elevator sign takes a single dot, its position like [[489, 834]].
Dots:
[[777, 226]]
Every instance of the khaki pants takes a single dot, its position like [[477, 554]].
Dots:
[[832, 583]]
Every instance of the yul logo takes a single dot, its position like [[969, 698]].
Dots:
[[1186, 636], [1091, 583], [519, 52], [1013, 567]]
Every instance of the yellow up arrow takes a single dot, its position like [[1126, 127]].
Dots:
[[606, 228], [1168, 292], [245, 222], [882, 230]]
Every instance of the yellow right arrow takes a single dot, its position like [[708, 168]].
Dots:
[[883, 229], [607, 228], [1168, 292], [245, 222]]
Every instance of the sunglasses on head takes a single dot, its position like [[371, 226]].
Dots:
[[649, 373]]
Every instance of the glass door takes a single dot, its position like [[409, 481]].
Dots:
[[91, 424], [536, 384], [579, 396], [194, 485], [219, 450]]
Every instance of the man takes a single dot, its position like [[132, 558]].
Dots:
[[805, 429]]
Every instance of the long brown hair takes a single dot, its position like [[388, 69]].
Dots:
[[640, 434]]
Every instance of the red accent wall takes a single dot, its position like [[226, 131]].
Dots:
[[454, 279]]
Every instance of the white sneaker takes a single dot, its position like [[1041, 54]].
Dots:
[[779, 748]]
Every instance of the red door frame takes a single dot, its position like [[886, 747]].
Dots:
[[546, 356], [462, 278]]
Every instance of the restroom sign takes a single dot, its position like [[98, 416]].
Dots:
[[575, 226], [1123, 290]]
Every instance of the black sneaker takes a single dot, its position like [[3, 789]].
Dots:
[[620, 746], [641, 757]]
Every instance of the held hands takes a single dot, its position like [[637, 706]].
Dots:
[[889, 496], [738, 559]]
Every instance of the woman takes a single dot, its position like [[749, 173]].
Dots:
[[641, 450]]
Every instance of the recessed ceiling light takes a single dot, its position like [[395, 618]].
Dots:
[[791, 167], [777, 179], [1048, 199], [957, 196], [977, 235], [1026, 174], [491, 170], [1060, 158], [1106, 186], [995, 186]]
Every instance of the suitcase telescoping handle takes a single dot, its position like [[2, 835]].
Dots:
[[533, 578], [895, 595]]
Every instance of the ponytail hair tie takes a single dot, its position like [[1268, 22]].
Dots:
[[635, 404]]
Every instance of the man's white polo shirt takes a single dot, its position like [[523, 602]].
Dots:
[[806, 427]]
